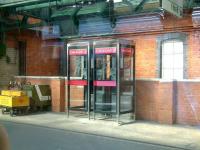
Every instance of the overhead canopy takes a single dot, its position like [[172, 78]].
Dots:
[[27, 4], [97, 8], [11, 1], [51, 4], [66, 12], [50, 10]]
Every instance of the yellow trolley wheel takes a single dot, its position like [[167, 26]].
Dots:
[[11, 112], [3, 111]]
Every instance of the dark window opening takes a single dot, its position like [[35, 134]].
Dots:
[[22, 58]]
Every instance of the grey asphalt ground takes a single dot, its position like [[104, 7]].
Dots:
[[33, 137]]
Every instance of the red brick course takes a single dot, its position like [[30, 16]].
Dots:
[[41, 60]]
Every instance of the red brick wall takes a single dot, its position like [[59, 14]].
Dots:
[[194, 55], [146, 61], [168, 102], [41, 59], [171, 22], [154, 101], [11, 42], [45, 60], [188, 103]]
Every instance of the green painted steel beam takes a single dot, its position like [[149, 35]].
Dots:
[[59, 3], [66, 12], [65, 2], [99, 8], [24, 3], [140, 6], [36, 6]]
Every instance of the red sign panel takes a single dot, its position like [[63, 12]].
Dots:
[[104, 83], [78, 82], [127, 51], [78, 52], [106, 50]]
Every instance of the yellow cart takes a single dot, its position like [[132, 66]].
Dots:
[[14, 102]]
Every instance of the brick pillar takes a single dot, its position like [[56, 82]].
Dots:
[[58, 95], [165, 102]]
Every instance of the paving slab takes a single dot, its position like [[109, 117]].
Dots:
[[179, 136]]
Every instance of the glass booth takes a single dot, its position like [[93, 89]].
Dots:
[[101, 79], [78, 78], [114, 77]]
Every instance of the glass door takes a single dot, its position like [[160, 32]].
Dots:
[[104, 84], [77, 75], [127, 79]]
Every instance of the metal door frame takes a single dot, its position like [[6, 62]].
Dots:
[[116, 43], [79, 43]]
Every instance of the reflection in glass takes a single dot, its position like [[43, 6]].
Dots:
[[105, 67], [77, 66]]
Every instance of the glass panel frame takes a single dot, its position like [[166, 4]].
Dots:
[[127, 79], [105, 77], [78, 77]]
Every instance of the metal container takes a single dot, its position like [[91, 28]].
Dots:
[[40, 96], [14, 101]]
